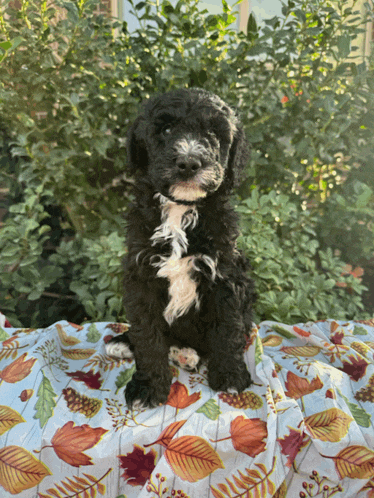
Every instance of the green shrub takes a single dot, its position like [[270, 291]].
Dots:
[[296, 280], [72, 81]]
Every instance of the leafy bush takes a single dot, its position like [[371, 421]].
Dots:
[[296, 280], [70, 84]]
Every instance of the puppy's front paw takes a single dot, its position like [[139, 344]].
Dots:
[[234, 380], [146, 393], [185, 358]]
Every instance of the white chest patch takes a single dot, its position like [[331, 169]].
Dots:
[[176, 268]]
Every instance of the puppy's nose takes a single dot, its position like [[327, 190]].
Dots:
[[188, 166]]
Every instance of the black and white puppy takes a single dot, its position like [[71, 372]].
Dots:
[[186, 283]]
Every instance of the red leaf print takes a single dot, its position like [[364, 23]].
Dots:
[[69, 442], [167, 434], [247, 435], [292, 444], [179, 398], [337, 338], [138, 465], [356, 369], [91, 380]]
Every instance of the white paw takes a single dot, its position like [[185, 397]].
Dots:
[[185, 358], [232, 391], [118, 350]]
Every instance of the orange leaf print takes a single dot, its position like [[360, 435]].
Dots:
[[247, 435], [9, 418], [298, 387], [17, 370], [330, 425], [66, 340], [192, 458], [69, 442], [179, 398], [77, 354], [355, 462], [301, 332], [20, 470], [167, 434]]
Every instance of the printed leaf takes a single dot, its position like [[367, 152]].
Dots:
[[93, 334], [66, 340], [3, 335], [124, 377], [259, 350], [45, 404], [306, 351], [192, 458], [138, 465], [252, 482], [179, 398], [80, 488], [210, 409], [77, 354], [283, 332], [17, 370], [272, 341], [167, 434], [355, 462], [301, 332], [20, 470], [92, 380], [248, 434], [330, 425], [293, 443], [355, 367], [361, 417], [298, 387], [358, 330], [69, 442], [9, 418]]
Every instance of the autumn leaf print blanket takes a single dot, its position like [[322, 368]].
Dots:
[[305, 428]]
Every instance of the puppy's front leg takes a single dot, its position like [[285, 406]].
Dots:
[[150, 384], [227, 370]]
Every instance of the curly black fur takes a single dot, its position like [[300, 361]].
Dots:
[[186, 150]]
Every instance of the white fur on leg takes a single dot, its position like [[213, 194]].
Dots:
[[119, 350]]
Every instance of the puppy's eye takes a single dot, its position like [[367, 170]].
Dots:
[[166, 130]]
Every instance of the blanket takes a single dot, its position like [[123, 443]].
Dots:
[[305, 428]]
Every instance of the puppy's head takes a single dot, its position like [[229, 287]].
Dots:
[[188, 144]]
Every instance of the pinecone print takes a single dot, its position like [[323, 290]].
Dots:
[[366, 393], [244, 400], [80, 403], [360, 347]]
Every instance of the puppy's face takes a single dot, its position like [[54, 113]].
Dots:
[[184, 143]]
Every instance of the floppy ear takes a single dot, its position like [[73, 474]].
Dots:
[[238, 158], [137, 156]]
